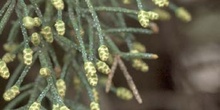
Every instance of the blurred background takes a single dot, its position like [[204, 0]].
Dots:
[[187, 74]]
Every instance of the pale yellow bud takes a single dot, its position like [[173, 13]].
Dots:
[[9, 47], [103, 67], [4, 72], [37, 21], [126, 1], [144, 67], [35, 39], [140, 65], [60, 27], [61, 87], [64, 108], [28, 22], [103, 52], [161, 3], [89, 68], [91, 73], [95, 94], [8, 57], [152, 15], [58, 4], [35, 106], [56, 107], [11, 93], [136, 63], [143, 18], [139, 47], [94, 106], [163, 14], [93, 80], [183, 14], [134, 51], [59, 107], [45, 72], [28, 56], [47, 34], [124, 93]]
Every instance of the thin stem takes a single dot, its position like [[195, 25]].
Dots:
[[59, 14], [84, 80], [65, 66], [48, 11], [45, 62], [13, 32], [53, 55], [25, 36], [129, 30], [111, 75], [36, 8], [23, 30], [91, 40], [14, 75], [24, 7], [114, 10], [112, 45], [129, 80], [66, 43], [139, 55], [34, 91], [25, 71], [27, 86], [5, 18], [139, 4], [43, 93], [38, 11], [77, 30], [54, 91], [4, 7], [96, 21], [128, 37], [18, 48]]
